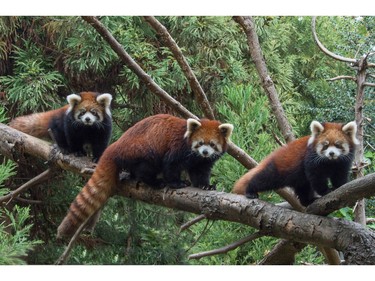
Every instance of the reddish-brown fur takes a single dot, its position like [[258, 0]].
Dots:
[[156, 141], [305, 164], [37, 124]]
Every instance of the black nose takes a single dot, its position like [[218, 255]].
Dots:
[[331, 153], [205, 152], [87, 119]]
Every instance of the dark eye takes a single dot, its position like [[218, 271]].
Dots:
[[94, 112], [201, 143], [81, 113], [212, 144], [338, 145], [325, 146]]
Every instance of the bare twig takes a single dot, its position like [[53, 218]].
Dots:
[[200, 96], [324, 49], [227, 248], [367, 84], [65, 255], [192, 222], [34, 181], [28, 201], [343, 77]]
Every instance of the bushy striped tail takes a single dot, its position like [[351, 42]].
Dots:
[[92, 197]]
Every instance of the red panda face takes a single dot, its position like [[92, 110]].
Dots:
[[333, 140], [88, 108], [208, 138]]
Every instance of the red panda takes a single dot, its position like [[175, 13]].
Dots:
[[160, 144], [85, 120], [305, 164]]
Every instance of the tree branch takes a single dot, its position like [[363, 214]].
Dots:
[[248, 26], [324, 49], [346, 195], [128, 60], [343, 77], [200, 96], [34, 181], [233, 150], [357, 242], [227, 248]]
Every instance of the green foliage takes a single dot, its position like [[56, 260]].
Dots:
[[15, 247], [34, 82], [45, 58], [14, 237]]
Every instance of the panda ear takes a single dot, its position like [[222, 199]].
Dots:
[[192, 125], [226, 130], [73, 100], [105, 100], [350, 129], [316, 129]]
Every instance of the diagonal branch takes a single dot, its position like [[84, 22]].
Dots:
[[346, 195], [233, 150], [248, 26], [227, 248], [324, 49], [128, 60], [200, 96], [34, 181]]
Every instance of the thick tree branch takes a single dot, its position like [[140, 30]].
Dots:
[[356, 241], [13, 144], [167, 39], [346, 195], [248, 26]]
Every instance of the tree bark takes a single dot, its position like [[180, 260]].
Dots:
[[356, 241], [248, 26]]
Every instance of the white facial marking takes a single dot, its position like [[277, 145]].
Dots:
[[332, 152], [205, 150], [86, 118]]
